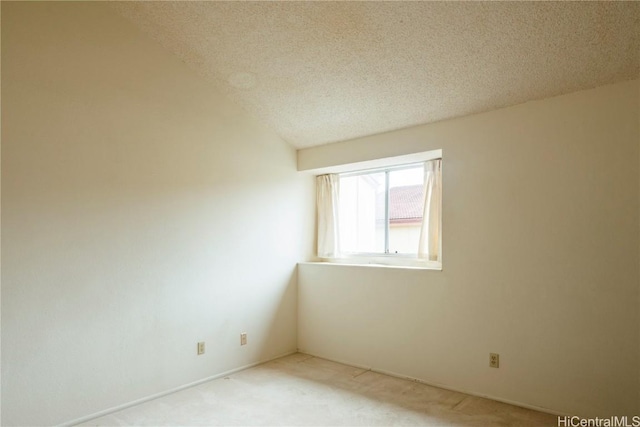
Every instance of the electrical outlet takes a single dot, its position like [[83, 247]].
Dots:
[[494, 360], [201, 348], [243, 338]]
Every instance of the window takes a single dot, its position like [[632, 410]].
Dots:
[[388, 215], [380, 212]]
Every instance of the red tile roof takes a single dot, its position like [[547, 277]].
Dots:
[[405, 205]]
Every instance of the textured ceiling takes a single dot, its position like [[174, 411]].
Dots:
[[319, 72]]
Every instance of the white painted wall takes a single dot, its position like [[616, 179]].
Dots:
[[540, 260], [142, 212]]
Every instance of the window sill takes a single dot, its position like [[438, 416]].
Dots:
[[371, 264]]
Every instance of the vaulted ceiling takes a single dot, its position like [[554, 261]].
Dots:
[[320, 72]]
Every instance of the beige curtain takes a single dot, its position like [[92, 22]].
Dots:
[[429, 246], [327, 193]]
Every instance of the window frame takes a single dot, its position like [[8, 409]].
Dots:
[[387, 170], [380, 260]]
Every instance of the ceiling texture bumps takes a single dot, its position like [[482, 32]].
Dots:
[[320, 72]]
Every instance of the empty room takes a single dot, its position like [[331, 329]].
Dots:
[[320, 213]]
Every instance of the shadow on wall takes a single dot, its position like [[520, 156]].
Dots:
[[284, 312]]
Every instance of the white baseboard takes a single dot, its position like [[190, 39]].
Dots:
[[173, 390], [435, 384]]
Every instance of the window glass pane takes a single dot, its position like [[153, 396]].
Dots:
[[362, 213], [406, 206]]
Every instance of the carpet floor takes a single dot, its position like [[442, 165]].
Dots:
[[302, 390]]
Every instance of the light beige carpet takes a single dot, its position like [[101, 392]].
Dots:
[[301, 390]]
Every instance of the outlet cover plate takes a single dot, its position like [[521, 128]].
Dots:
[[494, 360]]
